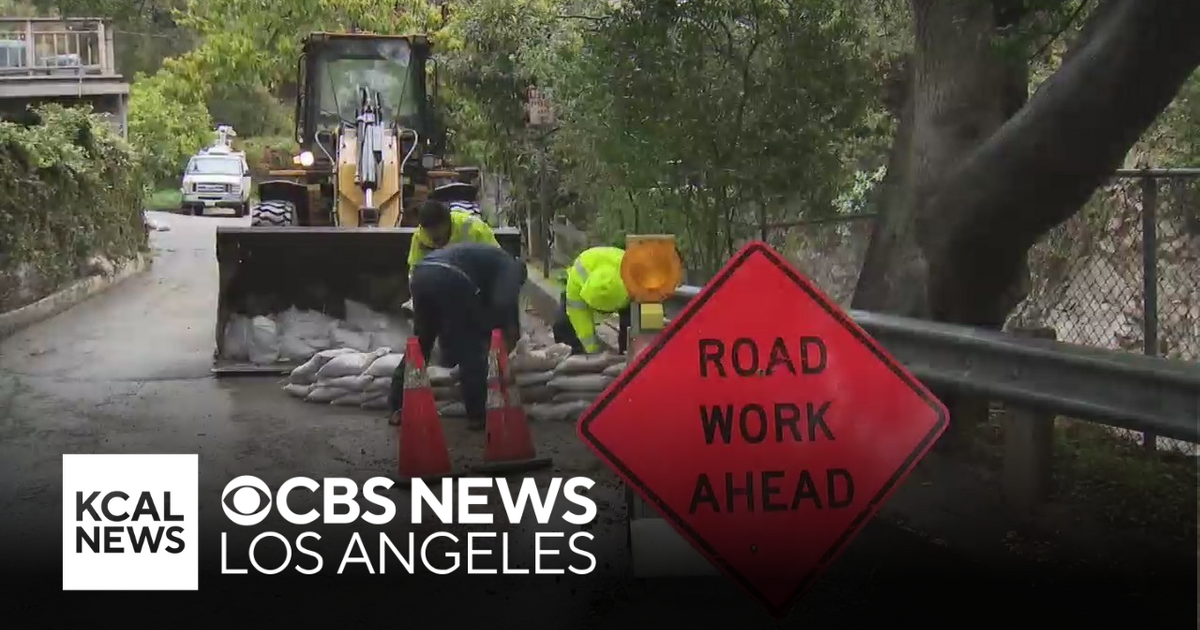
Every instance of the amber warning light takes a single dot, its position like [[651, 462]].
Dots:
[[651, 267]]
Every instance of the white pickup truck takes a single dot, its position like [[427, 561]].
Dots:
[[216, 178]]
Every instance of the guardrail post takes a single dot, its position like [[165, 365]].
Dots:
[[1028, 449]]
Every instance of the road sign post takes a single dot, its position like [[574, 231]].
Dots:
[[764, 425]]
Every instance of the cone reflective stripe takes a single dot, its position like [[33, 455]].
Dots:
[[423, 452], [509, 445]]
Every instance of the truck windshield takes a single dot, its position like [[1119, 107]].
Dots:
[[214, 166], [385, 68]]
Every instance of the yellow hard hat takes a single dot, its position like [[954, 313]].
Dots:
[[604, 290]]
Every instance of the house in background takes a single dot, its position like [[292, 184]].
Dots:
[[60, 60]]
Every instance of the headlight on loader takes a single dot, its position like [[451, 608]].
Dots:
[[305, 159]]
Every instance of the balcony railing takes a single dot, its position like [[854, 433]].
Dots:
[[36, 47]]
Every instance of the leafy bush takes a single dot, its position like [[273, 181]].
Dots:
[[168, 123], [266, 153], [70, 188]]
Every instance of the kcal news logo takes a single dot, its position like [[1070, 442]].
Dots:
[[130, 522], [248, 501]]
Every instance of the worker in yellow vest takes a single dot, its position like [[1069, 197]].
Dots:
[[594, 287], [438, 226]]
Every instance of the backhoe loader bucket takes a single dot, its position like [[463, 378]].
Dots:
[[266, 270]]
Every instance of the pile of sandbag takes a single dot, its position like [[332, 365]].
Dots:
[[553, 385], [295, 335], [345, 377]]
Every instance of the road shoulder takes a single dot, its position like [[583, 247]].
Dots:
[[75, 293]]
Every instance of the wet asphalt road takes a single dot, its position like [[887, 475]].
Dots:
[[128, 372]]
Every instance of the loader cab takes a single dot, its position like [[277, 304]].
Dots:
[[331, 71]]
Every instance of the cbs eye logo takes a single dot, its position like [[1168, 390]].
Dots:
[[246, 500]]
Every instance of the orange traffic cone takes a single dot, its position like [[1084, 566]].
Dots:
[[423, 451], [509, 444]]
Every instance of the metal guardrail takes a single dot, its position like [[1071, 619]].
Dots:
[[1119, 389]]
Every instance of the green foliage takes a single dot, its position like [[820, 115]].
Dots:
[[168, 123], [70, 188], [266, 153]]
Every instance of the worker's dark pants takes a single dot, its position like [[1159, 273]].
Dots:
[[447, 308], [565, 333]]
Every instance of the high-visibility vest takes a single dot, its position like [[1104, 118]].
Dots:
[[464, 228], [591, 264]]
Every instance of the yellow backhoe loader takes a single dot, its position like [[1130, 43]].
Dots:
[[338, 225]]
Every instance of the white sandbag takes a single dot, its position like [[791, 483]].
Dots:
[[379, 403], [236, 346], [568, 396], [303, 331], [380, 385], [325, 394], [439, 375], [360, 317], [536, 394], [346, 338], [352, 383], [452, 410], [264, 341], [533, 361], [447, 392], [615, 369], [295, 349], [306, 374], [525, 379], [586, 363], [580, 383], [394, 335], [556, 412], [385, 365], [354, 399], [349, 364], [297, 390]]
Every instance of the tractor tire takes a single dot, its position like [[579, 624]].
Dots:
[[273, 214]]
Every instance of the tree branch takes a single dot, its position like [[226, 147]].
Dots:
[[1042, 165]]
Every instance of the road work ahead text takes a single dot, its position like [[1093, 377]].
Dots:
[[768, 421]]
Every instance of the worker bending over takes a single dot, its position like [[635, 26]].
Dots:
[[460, 294], [594, 286], [439, 226]]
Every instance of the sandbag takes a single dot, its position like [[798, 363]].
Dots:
[[380, 384], [264, 341], [303, 330], [360, 317], [615, 369], [344, 338], [536, 394], [580, 383], [557, 412], [586, 364], [297, 390], [349, 364], [388, 339], [447, 392], [306, 374], [569, 396], [353, 399], [379, 403], [325, 394], [452, 410], [236, 346], [539, 360], [385, 365], [533, 378], [295, 349], [353, 383], [439, 375]]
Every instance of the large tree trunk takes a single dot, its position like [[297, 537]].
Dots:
[[977, 174], [979, 187]]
